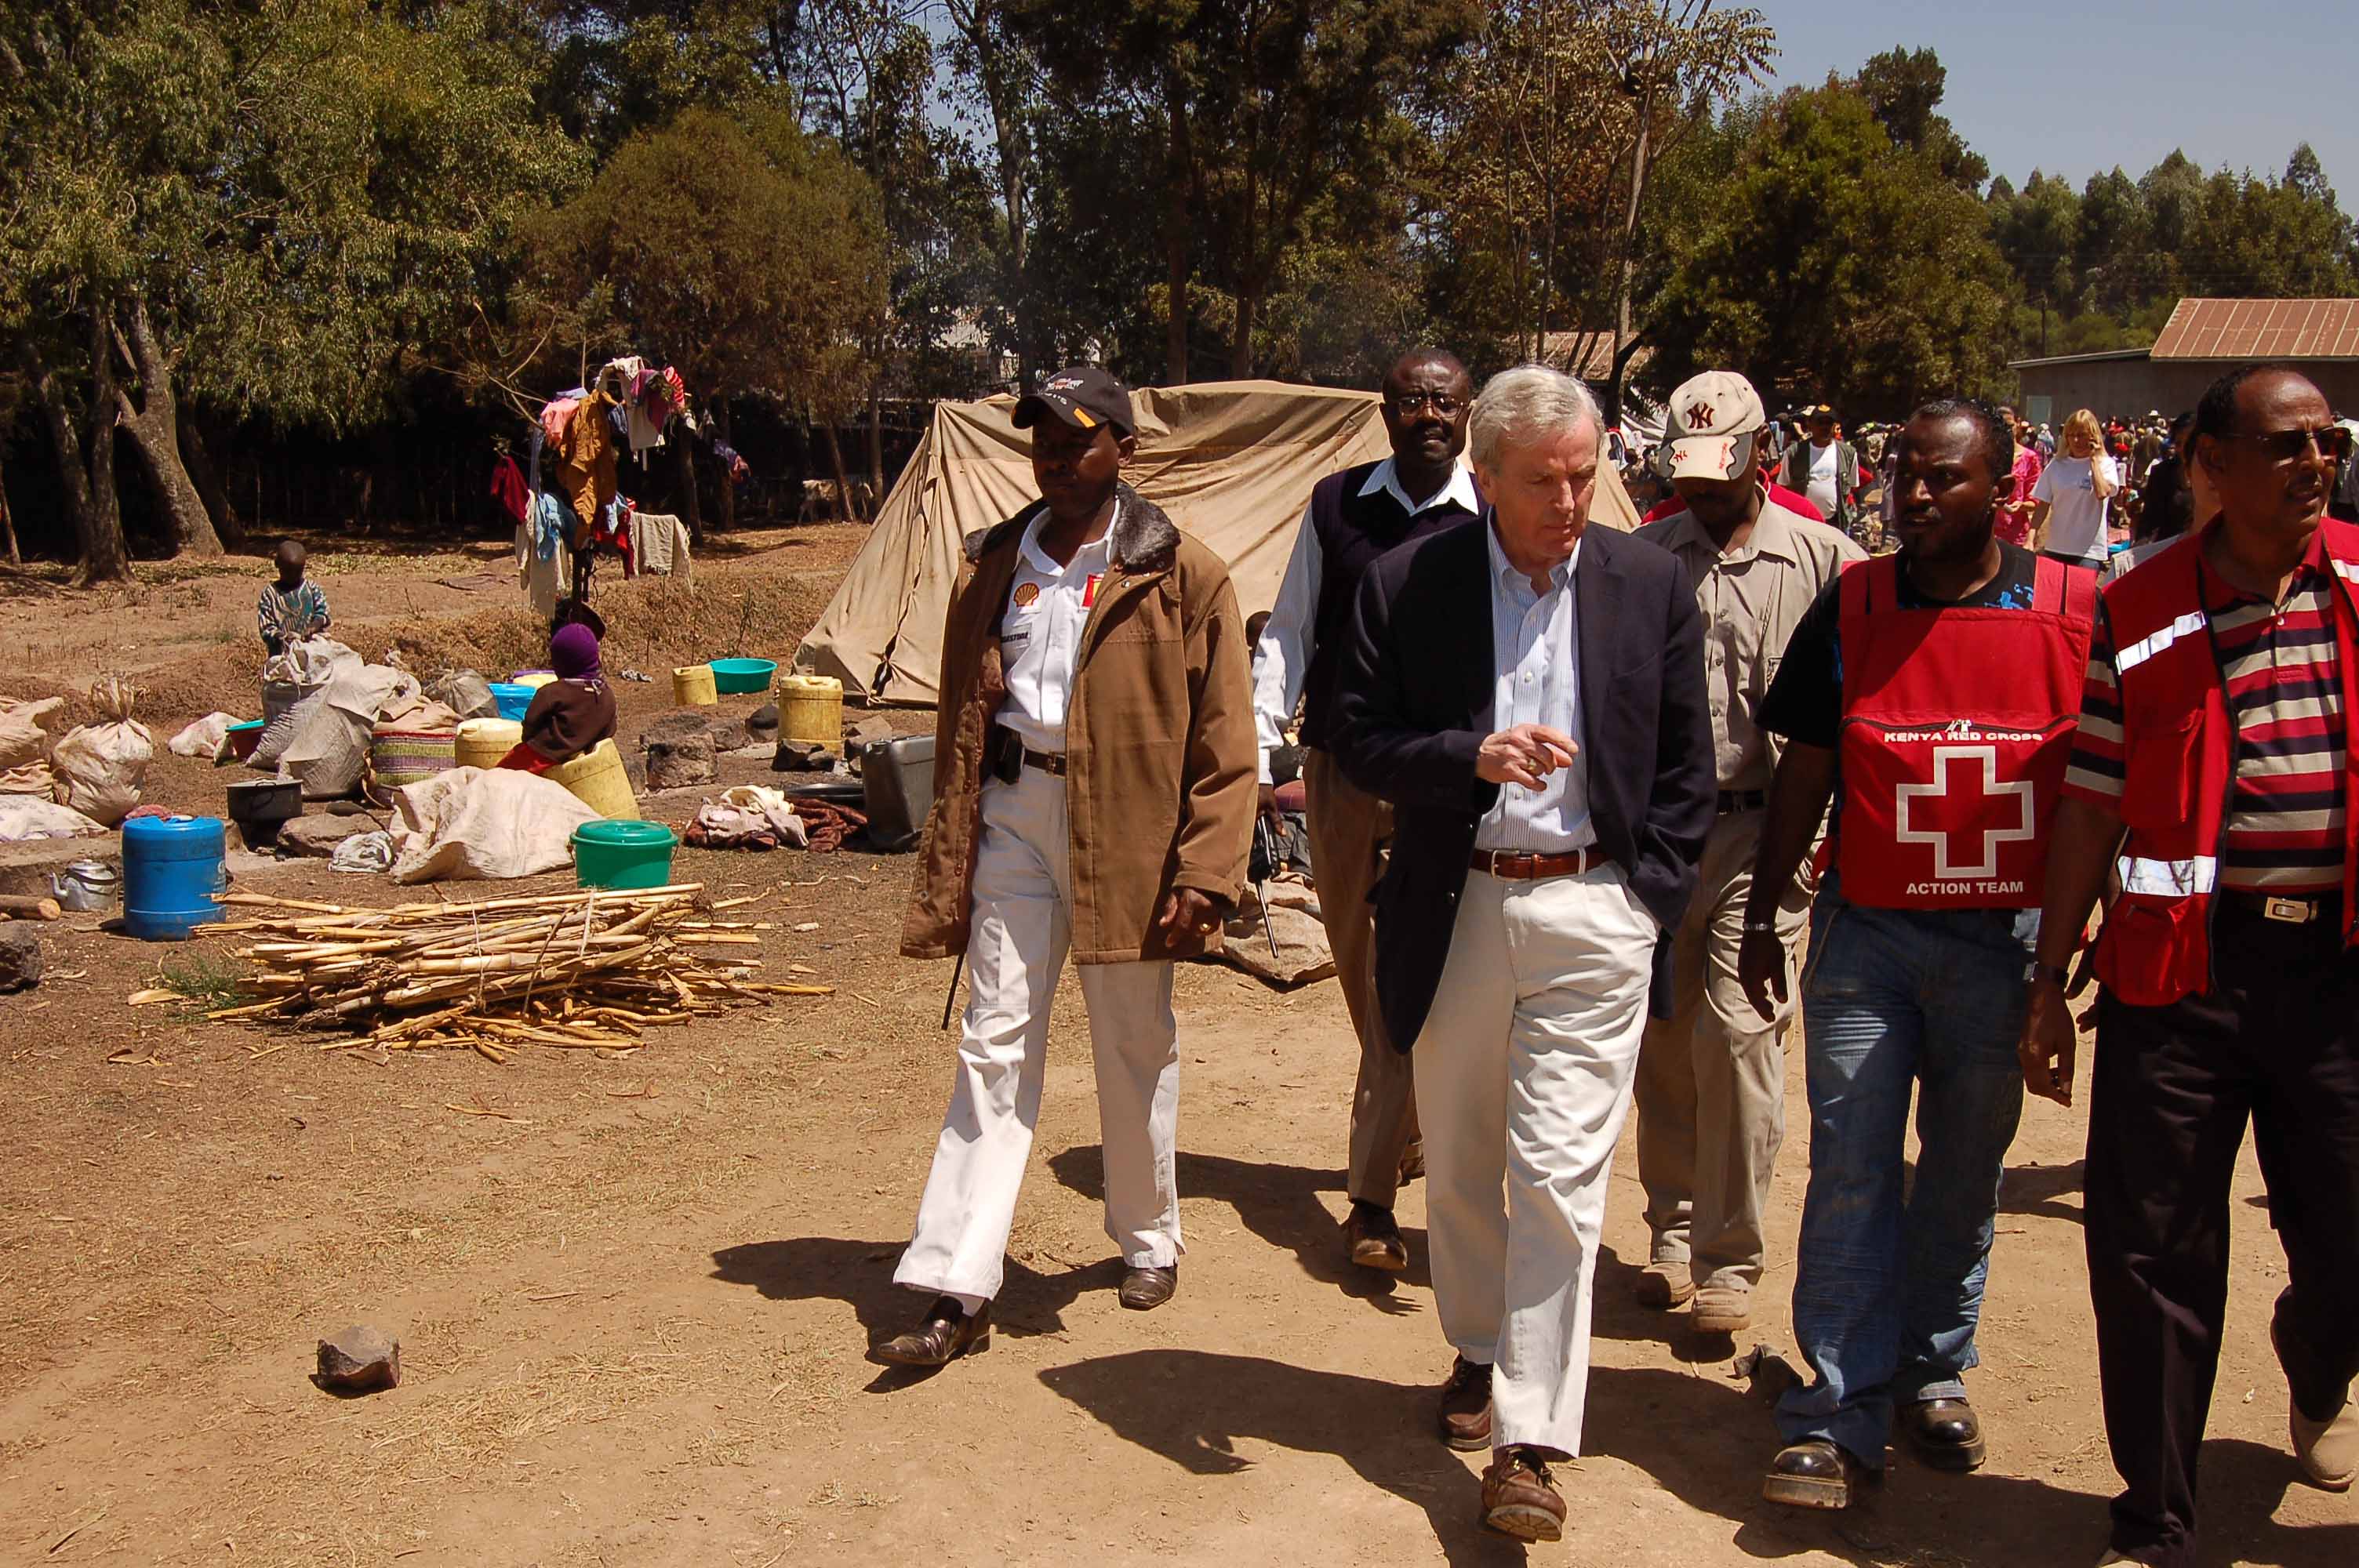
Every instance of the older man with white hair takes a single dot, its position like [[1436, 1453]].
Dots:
[[1528, 692]]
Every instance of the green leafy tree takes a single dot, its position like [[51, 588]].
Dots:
[[271, 206], [1838, 265], [750, 256]]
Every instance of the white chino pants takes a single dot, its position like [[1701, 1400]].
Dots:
[[1023, 880], [1523, 1077]]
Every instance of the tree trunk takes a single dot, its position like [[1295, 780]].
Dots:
[[8, 523], [728, 480], [689, 508], [843, 480], [89, 486], [875, 441], [208, 479], [153, 424], [1175, 232]]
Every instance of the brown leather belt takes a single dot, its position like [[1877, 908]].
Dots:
[[1519, 868], [1047, 762]]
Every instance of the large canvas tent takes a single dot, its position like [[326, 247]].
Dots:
[[1233, 463]]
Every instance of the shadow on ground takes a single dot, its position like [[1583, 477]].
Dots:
[[1281, 1205], [1705, 1441]]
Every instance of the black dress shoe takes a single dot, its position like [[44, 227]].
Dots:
[[946, 1334], [1144, 1290], [1815, 1474], [1945, 1433], [1372, 1239]]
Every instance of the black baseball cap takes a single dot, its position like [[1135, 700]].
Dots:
[[1083, 396]]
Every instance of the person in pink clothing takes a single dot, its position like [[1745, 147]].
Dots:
[[2013, 523]]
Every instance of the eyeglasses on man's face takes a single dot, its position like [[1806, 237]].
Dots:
[[2281, 447], [1406, 403]]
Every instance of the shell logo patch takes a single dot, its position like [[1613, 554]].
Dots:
[[1026, 592]]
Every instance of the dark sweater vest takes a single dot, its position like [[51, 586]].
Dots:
[[1354, 530]]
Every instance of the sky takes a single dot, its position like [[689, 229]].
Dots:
[[2074, 87]]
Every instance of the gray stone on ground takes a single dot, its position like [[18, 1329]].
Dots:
[[762, 724], [727, 734], [318, 837], [801, 757], [867, 732], [359, 1361], [20, 956], [679, 762]]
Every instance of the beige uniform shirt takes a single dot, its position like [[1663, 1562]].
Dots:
[[1751, 599]]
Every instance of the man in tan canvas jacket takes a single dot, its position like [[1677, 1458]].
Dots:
[[1095, 793]]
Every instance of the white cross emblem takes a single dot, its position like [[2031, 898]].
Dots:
[[1990, 788]]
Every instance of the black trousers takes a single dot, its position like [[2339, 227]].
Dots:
[[2277, 1042]]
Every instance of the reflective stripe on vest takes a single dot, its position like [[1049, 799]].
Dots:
[[2145, 648], [2168, 878]]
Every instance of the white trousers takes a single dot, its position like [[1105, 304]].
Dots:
[[1523, 1077], [1023, 880]]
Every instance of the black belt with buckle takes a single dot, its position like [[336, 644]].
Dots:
[[2280, 907], [1006, 756], [1047, 762], [1735, 800]]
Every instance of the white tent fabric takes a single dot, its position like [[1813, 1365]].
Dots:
[[1233, 463]]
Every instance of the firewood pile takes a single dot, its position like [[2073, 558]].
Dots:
[[588, 970]]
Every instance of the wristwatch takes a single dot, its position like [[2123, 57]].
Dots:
[[2055, 974]]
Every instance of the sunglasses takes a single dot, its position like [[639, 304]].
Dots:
[[2333, 444], [1441, 403]]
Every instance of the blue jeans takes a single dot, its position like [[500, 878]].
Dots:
[[1887, 1288]]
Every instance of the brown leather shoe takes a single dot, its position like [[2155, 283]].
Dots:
[[1521, 1498], [1666, 1285], [1412, 1163], [1144, 1290], [1465, 1418], [1371, 1240], [1816, 1473], [945, 1334], [1722, 1309], [1945, 1434]]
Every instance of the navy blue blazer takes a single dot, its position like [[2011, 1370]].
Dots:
[[1415, 703]]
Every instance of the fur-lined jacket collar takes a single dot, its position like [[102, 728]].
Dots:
[[1145, 540]]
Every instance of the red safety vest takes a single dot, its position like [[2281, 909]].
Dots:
[[1957, 726], [2178, 744]]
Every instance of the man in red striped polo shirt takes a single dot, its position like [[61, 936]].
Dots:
[[2215, 752]]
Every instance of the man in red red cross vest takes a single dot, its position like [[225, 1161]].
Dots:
[[2212, 774], [1932, 695]]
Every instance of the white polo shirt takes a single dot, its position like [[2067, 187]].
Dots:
[[1040, 631]]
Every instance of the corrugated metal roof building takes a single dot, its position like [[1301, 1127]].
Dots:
[[2202, 339]]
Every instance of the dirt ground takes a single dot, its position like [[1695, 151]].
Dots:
[[634, 1302]]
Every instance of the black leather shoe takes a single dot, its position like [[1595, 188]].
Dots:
[[1372, 1239], [946, 1334], [1144, 1290], [1816, 1473], [1945, 1433]]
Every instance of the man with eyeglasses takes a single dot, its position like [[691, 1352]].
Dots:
[[1354, 518], [2214, 757]]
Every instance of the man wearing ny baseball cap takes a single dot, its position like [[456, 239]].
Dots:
[[1095, 797], [1711, 1090]]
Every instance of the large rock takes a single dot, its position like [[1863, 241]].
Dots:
[[727, 734], [680, 762], [360, 1360], [20, 956], [317, 837]]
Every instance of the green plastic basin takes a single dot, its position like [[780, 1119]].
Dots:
[[622, 854]]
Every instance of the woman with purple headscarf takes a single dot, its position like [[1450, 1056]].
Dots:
[[572, 713]]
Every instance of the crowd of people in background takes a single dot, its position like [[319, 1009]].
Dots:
[[2119, 484]]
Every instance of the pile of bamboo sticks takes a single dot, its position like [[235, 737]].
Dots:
[[587, 971]]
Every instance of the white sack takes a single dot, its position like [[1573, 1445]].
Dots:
[[202, 739], [101, 766], [465, 824], [330, 745], [1293, 915], [22, 739], [22, 817]]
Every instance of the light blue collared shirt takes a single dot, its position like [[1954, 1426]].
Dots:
[[1536, 653]]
